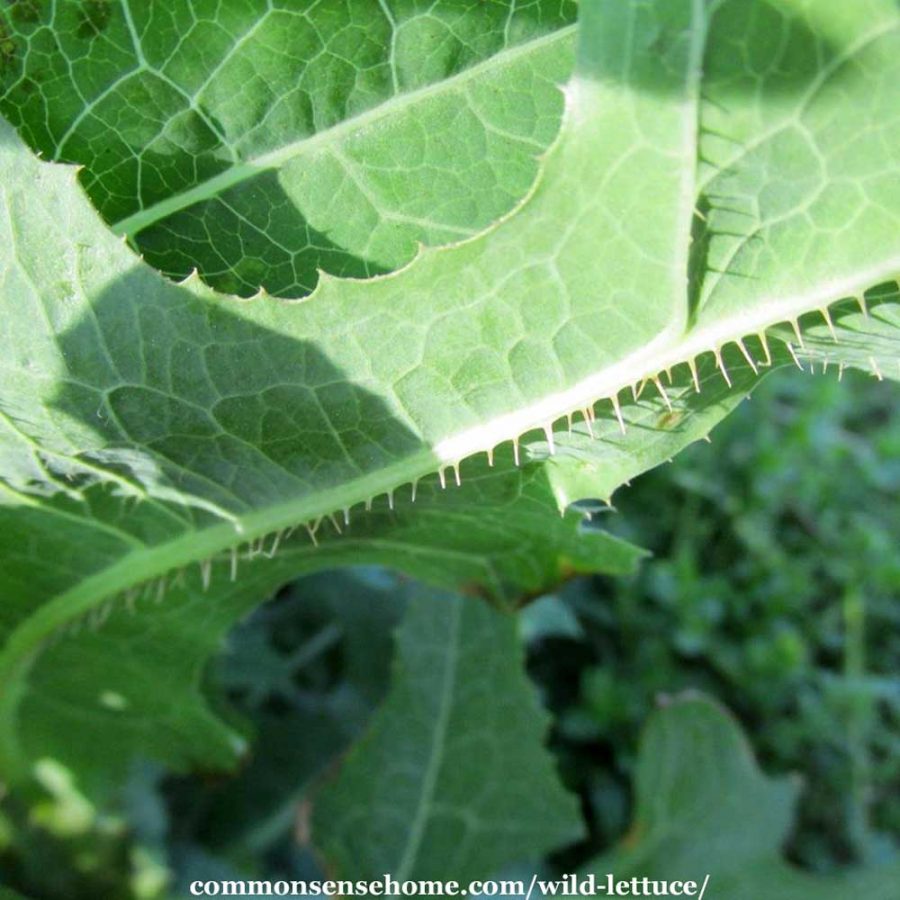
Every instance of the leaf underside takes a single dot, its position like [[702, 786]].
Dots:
[[721, 198]]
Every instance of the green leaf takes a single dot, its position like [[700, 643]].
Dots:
[[262, 142], [141, 692], [451, 781], [704, 807], [720, 171]]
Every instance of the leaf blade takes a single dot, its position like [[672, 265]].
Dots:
[[437, 788], [704, 807]]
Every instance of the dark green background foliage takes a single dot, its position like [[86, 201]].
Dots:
[[773, 588]]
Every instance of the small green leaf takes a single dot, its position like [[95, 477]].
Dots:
[[703, 807], [451, 780]]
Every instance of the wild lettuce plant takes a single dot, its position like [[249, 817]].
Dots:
[[290, 286]]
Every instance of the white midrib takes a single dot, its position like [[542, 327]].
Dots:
[[665, 352], [273, 159], [438, 745]]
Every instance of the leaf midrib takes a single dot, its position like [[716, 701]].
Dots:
[[435, 761], [148, 564], [273, 159]]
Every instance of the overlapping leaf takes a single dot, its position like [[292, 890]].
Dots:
[[260, 142]]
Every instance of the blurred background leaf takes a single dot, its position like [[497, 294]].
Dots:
[[703, 808], [452, 780]]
